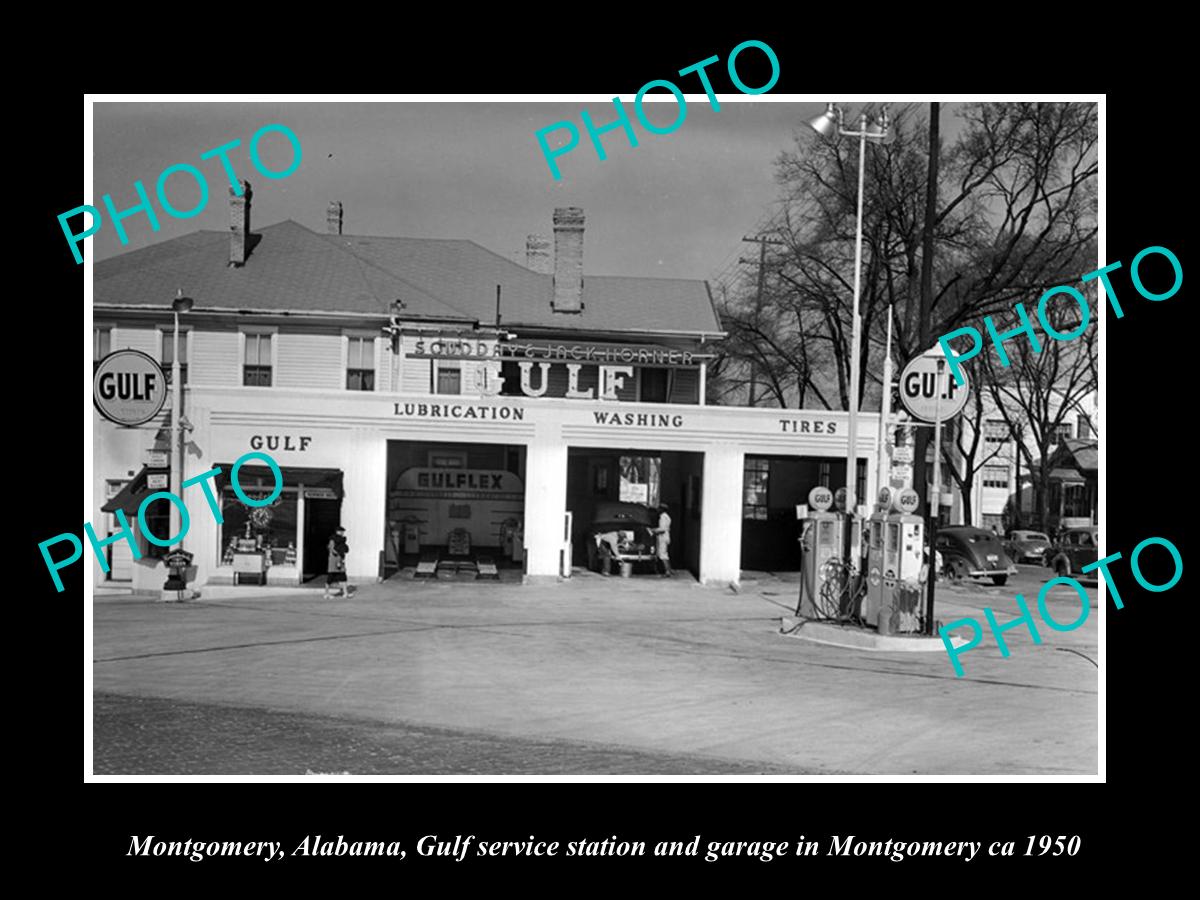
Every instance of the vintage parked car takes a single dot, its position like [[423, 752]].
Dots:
[[1026, 546], [632, 522], [969, 552], [1074, 549]]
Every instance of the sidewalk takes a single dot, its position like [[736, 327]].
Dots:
[[662, 666]]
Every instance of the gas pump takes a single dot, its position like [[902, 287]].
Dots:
[[876, 562], [900, 587], [821, 537], [854, 546], [518, 544], [412, 536], [508, 532]]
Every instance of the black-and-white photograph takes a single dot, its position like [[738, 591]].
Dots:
[[517, 438]]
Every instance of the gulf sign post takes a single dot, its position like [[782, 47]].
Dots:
[[930, 392]]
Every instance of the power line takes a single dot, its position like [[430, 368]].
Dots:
[[765, 222]]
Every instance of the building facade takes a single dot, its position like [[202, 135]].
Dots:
[[1003, 485], [436, 398]]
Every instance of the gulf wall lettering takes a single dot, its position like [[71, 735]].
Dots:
[[126, 533], [1026, 616]]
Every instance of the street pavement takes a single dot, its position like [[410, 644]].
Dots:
[[590, 676]]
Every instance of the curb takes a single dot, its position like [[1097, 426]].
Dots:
[[859, 639]]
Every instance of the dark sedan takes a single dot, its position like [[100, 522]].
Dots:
[[1026, 546], [632, 523], [1074, 549], [973, 553]]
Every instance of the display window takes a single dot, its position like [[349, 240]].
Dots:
[[268, 530]]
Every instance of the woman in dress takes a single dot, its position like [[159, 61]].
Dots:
[[338, 548]]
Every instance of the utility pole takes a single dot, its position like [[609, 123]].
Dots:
[[762, 268], [925, 316]]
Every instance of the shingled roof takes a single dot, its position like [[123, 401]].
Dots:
[[291, 267]]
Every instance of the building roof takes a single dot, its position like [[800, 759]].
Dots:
[[1074, 459], [291, 267], [1081, 454]]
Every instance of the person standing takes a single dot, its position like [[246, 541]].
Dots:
[[338, 548], [662, 539]]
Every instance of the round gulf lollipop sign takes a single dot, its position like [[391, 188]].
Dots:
[[129, 388], [928, 389]]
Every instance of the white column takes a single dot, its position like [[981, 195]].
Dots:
[[876, 463], [364, 506], [721, 516], [300, 514], [545, 503], [202, 540]]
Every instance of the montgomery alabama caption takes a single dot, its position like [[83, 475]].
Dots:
[[462, 847]]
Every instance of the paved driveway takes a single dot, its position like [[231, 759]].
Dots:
[[591, 676]]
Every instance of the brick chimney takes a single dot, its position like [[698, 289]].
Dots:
[[239, 225], [537, 254], [568, 259], [333, 218]]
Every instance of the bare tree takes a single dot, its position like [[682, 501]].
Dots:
[[1037, 391], [968, 451], [1013, 213]]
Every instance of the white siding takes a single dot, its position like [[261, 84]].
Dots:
[[415, 374], [472, 378], [144, 339], [215, 358], [309, 360], [383, 364]]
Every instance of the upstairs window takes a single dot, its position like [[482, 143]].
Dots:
[[1061, 433], [511, 372], [101, 343], [256, 371], [995, 431], [655, 385], [167, 355], [995, 476], [360, 364], [447, 378], [1085, 427]]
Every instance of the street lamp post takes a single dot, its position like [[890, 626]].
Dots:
[[885, 410], [180, 304], [825, 124]]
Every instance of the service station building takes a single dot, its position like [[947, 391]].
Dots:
[[439, 400]]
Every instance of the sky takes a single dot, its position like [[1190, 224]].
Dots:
[[677, 205]]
